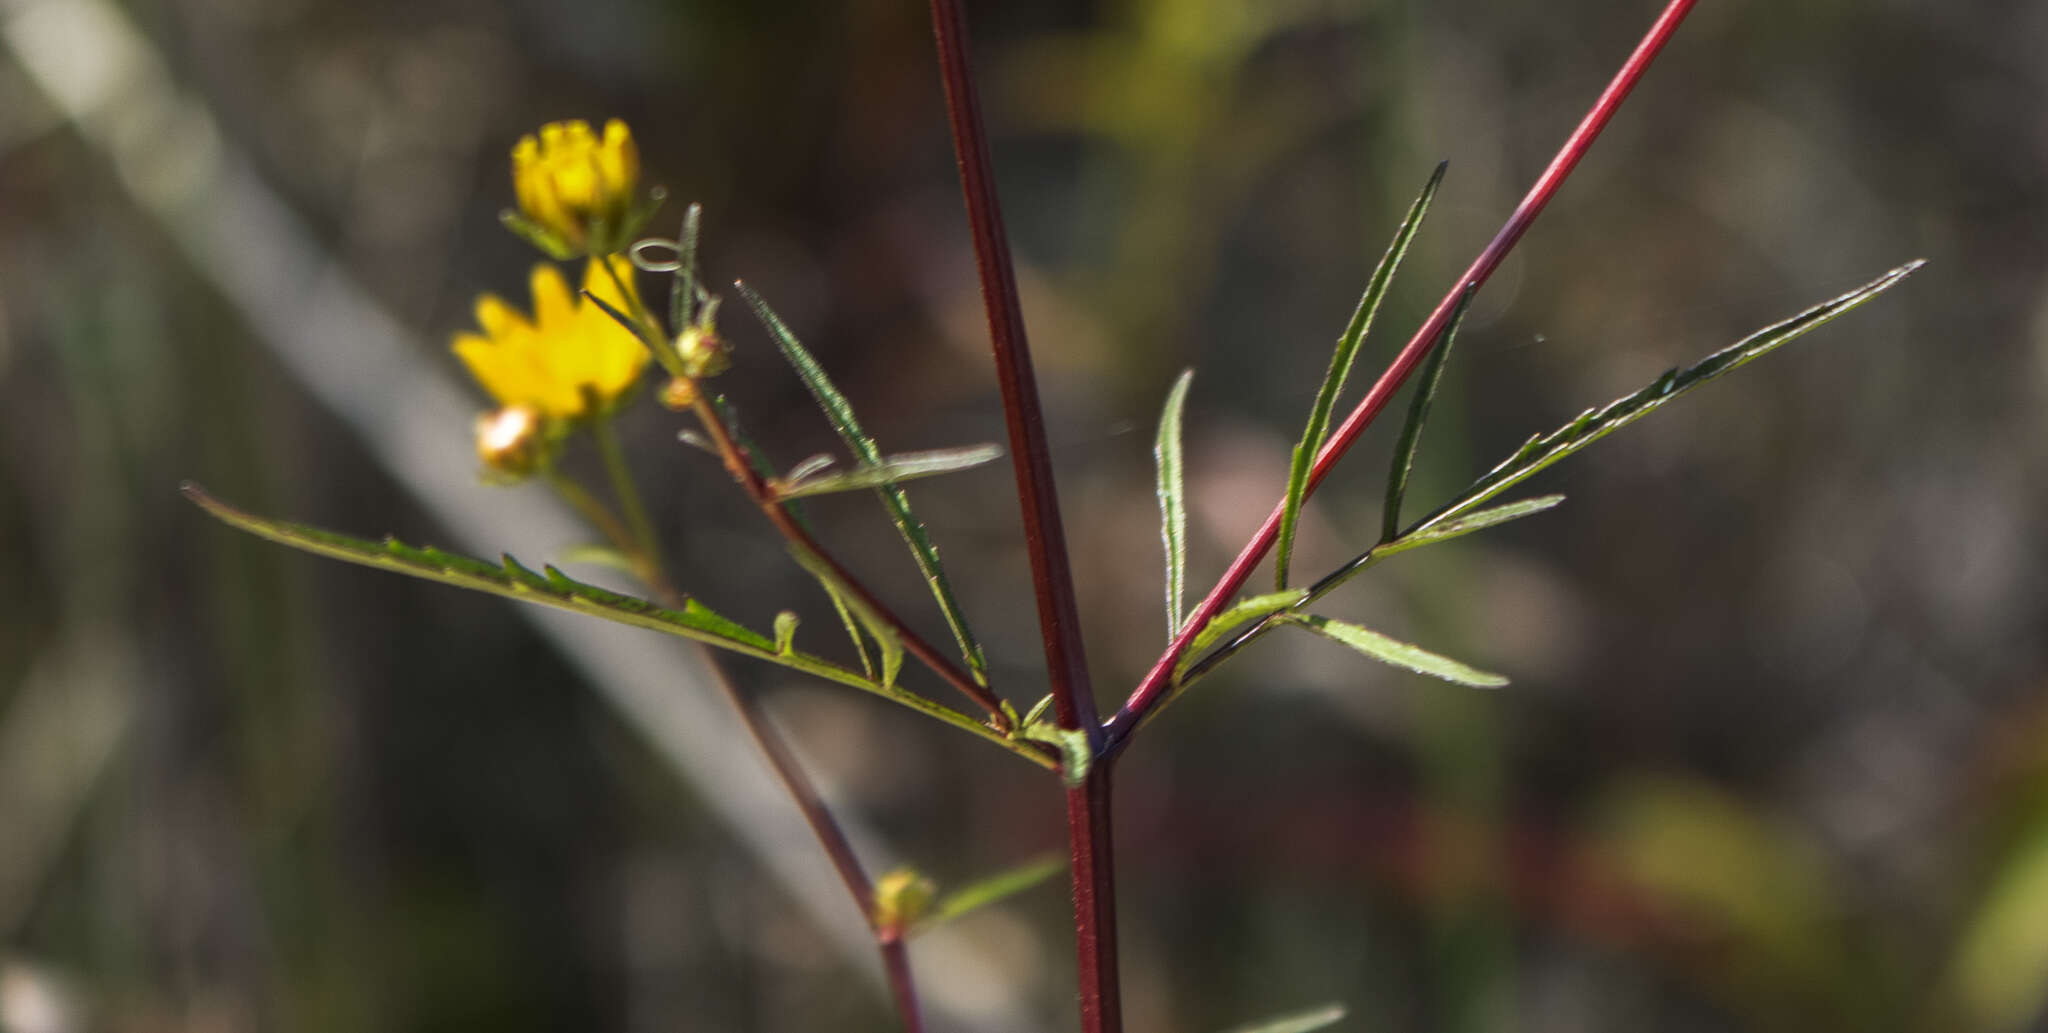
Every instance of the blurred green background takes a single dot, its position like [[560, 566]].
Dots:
[[1775, 758]]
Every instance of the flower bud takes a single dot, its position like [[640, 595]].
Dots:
[[576, 188], [679, 394], [901, 898], [702, 351], [509, 441]]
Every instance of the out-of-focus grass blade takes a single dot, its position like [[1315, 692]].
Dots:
[[984, 892], [1544, 449], [903, 466], [1340, 368], [1173, 512], [1999, 976], [1297, 1022], [1398, 653], [840, 414], [1418, 414], [1229, 620]]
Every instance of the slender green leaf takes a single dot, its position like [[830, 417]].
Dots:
[[1418, 414], [839, 413], [1475, 520], [1037, 710], [903, 466], [804, 468], [850, 602], [1340, 368], [682, 291], [1173, 512], [852, 626], [551, 587], [1544, 449], [600, 556], [1224, 623], [983, 892], [1398, 653], [1297, 1022]]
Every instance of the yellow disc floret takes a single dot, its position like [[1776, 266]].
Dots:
[[568, 353], [576, 187]]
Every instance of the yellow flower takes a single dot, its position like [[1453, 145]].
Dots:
[[570, 348], [576, 188]]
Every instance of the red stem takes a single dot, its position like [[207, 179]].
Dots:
[[896, 958], [1088, 815], [1158, 680]]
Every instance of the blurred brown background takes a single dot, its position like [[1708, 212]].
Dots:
[[1775, 758]]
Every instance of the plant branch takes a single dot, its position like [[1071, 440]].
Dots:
[[1088, 803], [831, 837], [1073, 697], [646, 545], [1158, 681], [764, 497], [802, 791]]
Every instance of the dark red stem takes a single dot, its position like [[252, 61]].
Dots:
[[1088, 814], [895, 960], [1157, 681]]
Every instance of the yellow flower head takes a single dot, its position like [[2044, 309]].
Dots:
[[569, 349], [575, 187]]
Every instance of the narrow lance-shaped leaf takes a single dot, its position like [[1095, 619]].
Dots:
[[1172, 489], [839, 413], [551, 587], [1398, 653], [995, 888], [600, 556], [1297, 1022], [1418, 414], [1475, 520], [682, 291], [1544, 449], [1431, 534], [1239, 613], [849, 601], [1340, 368], [903, 466]]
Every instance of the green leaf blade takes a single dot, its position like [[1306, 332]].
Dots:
[[1239, 614], [1400, 654], [1304, 1021], [991, 890], [1418, 414], [1543, 450], [1168, 457], [1473, 520], [510, 579], [890, 470], [1339, 370], [839, 412]]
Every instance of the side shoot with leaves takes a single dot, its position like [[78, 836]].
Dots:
[[568, 371]]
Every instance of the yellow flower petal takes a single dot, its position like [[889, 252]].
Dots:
[[571, 349]]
